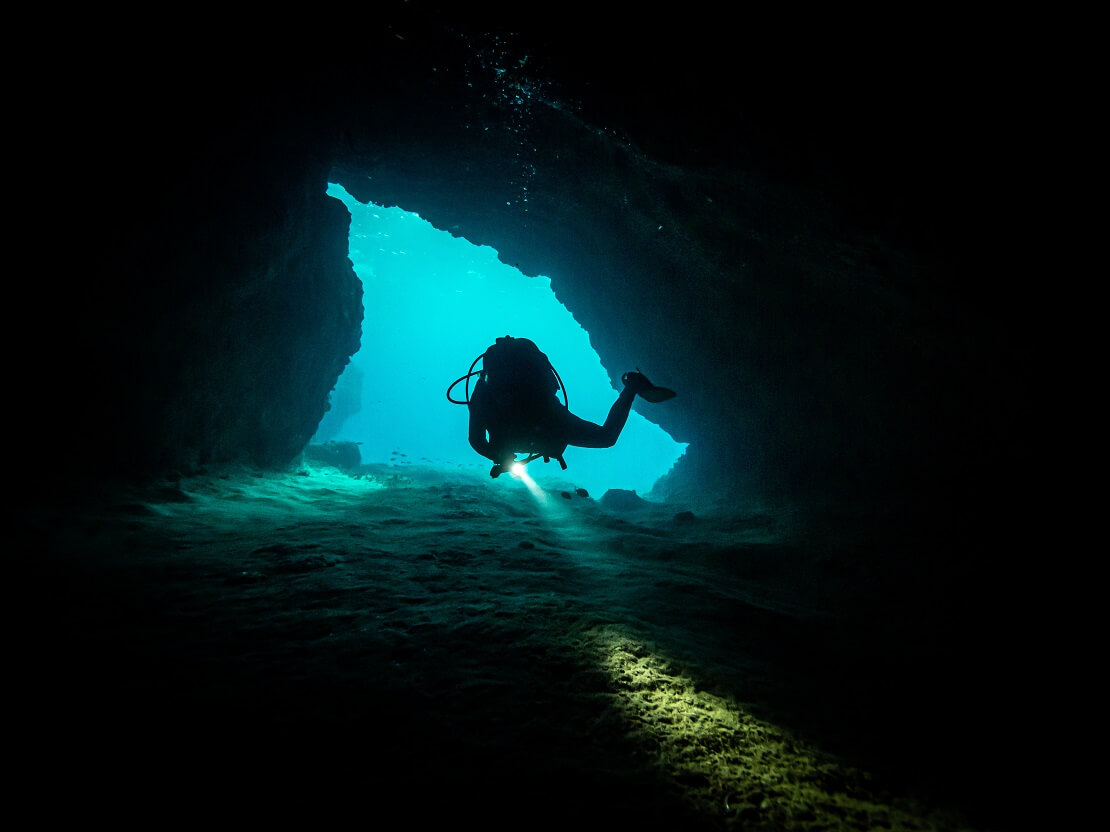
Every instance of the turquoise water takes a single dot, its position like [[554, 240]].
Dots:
[[433, 303]]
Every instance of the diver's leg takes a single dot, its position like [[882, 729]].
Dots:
[[577, 431]]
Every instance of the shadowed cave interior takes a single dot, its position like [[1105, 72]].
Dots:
[[802, 624]]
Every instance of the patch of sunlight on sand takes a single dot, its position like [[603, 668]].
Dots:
[[308, 492], [727, 762]]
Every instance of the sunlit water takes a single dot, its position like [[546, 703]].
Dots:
[[433, 303]]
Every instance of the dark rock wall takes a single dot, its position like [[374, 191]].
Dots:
[[204, 306], [822, 344]]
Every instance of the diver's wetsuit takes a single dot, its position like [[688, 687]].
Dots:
[[522, 423]]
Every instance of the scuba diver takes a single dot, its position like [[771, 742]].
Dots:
[[515, 407]]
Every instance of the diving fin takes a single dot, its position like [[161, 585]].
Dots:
[[655, 394], [639, 383]]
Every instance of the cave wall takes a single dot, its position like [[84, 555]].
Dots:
[[206, 304], [203, 305], [818, 355]]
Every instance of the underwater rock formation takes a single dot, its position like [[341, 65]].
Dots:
[[341, 455], [821, 347]]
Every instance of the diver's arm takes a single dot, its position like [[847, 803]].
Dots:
[[478, 438], [479, 443], [477, 433]]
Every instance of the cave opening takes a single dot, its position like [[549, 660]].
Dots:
[[433, 302]]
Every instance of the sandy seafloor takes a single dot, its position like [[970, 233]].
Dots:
[[412, 648]]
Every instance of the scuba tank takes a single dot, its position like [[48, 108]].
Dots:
[[519, 378], [516, 364]]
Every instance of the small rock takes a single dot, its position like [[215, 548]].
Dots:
[[622, 499]]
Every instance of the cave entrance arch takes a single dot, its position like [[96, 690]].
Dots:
[[433, 303]]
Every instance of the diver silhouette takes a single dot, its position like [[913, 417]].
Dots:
[[515, 407]]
